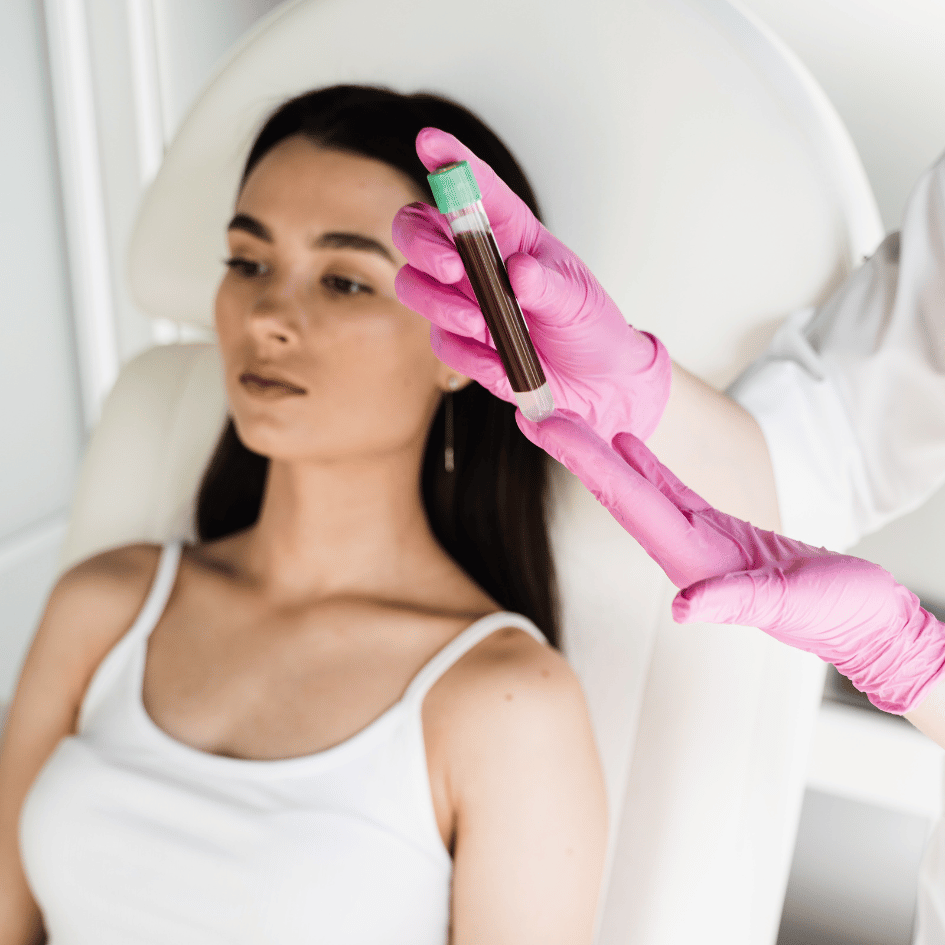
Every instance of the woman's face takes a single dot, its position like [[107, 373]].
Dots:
[[322, 361]]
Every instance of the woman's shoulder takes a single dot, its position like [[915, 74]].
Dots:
[[97, 600], [115, 578], [508, 687], [91, 606], [510, 655]]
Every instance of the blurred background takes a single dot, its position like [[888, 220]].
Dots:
[[92, 92]]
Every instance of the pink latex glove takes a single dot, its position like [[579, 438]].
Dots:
[[847, 611], [615, 377]]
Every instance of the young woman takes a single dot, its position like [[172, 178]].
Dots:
[[323, 721]]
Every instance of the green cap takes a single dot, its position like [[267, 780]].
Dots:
[[454, 187]]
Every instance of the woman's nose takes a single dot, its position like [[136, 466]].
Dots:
[[281, 312]]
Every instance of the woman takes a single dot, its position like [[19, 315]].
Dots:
[[317, 722]]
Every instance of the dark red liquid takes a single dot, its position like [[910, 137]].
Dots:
[[490, 282]]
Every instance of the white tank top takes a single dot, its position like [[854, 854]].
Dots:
[[130, 837]]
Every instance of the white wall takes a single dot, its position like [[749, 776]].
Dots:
[[149, 61], [193, 37], [881, 63], [41, 427]]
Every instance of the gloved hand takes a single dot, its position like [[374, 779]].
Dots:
[[847, 611], [615, 377]]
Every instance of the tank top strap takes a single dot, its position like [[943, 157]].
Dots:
[[113, 669], [161, 587], [462, 644]]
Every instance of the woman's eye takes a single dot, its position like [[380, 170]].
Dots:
[[246, 267], [339, 285]]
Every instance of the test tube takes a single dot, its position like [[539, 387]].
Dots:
[[459, 200]]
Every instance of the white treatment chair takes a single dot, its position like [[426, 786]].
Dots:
[[685, 155]]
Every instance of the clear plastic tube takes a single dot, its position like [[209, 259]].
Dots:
[[489, 278]]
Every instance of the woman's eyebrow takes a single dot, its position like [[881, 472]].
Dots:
[[353, 241], [243, 221]]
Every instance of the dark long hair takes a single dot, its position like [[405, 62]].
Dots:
[[489, 514]]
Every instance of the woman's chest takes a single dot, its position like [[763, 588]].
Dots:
[[239, 678]]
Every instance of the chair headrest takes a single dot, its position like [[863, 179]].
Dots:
[[660, 145]]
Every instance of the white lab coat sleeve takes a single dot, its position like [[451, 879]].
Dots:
[[850, 396]]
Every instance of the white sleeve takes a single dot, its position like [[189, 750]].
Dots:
[[850, 396]]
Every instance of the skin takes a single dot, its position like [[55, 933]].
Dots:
[[516, 782], [929, 715], [717, 448]]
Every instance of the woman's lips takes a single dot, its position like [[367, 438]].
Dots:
[[268, 386]]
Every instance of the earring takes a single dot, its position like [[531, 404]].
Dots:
[[449, 463]]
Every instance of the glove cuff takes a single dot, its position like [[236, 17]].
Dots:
[[899, 676]]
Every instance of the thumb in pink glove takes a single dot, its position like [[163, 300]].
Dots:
[[615, 377], [847, 611]]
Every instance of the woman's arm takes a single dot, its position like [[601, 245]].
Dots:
[[527, 792], [87, 611]]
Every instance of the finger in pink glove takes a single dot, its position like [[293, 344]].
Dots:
[[615, 377]]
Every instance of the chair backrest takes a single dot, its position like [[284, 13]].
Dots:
[[701, 174]]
